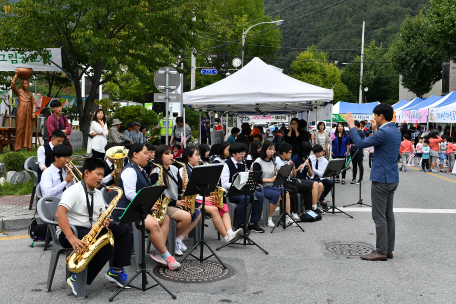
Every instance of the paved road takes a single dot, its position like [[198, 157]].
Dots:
[[298, 268]]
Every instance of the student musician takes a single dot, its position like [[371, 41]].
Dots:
[[267, 164], [220, 216], [56, 179], [318, 166], [302, 172], [223, 153], [109, 172], [81, 206], [173, 182], [233, 165], [284, 157], [132, 179], [44, 152]]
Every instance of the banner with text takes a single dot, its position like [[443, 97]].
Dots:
[[10, 60], [266, 119], [414, 116], [442, 115]]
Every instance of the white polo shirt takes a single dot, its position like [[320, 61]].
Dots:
[[74, 199]]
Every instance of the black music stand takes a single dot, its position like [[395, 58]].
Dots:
[[360, 200], [249, 188], [202, 182], [138, 209], [332, 170], [281, 181]]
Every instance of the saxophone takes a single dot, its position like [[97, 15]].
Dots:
[[189, 199], [218, 196], [160, 214], [77, 262]]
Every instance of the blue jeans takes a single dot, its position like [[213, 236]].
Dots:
[[256, 208]]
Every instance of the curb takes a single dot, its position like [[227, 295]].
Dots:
[[16, 222]]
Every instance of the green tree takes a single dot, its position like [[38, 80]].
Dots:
[[379, 76], [442, 16], [139, 114], [416, 55], [99, 38], [221, 41], [311, 66]]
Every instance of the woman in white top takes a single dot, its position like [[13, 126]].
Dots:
[[99, 131], [322, 138]]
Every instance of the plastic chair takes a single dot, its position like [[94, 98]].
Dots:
[[31, 165], [46, 207], [265, 208]]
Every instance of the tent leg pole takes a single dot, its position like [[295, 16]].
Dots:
[[200, 126]]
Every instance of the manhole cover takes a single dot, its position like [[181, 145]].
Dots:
[[195, 272], [349, 249]]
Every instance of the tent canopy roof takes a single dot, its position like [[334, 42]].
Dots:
[[400, 104], [354, 108], [258, 88], [450, 100]]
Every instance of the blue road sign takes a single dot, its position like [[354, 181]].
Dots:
[[209, 71]]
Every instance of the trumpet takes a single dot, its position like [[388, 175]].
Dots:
[[72, 168]]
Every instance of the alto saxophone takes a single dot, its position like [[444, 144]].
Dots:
[[217, 195], [189, 199], [160, 214], [77, 262]]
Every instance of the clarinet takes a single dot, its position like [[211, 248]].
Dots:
[[274, 161], [245, 164]]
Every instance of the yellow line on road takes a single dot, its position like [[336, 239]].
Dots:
[[447, 179], [14, 237]]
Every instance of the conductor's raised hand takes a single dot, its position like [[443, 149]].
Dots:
[[350, 120]]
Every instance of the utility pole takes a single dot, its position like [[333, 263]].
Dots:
[[193, 69], [362, 64]]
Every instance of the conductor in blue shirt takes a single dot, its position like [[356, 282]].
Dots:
[[384, 176]]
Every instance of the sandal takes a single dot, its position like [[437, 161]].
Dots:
[[343, 182], [337, 181]]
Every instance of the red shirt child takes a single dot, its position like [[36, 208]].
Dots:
[[177, 151], [406, 147]]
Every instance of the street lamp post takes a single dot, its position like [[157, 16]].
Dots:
[[278, 22]]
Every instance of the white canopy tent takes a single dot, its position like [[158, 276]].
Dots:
[[258, 88]]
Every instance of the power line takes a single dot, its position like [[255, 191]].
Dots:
[[288, 59], [285, 22], [266, 15]]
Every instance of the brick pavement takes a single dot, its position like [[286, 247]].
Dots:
[[15, 205]]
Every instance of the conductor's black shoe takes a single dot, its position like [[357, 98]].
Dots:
[[256, 228]]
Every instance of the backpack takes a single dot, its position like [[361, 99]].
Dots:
[[37, 232], [310, 216]]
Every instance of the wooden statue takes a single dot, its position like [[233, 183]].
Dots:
[[26, 109]]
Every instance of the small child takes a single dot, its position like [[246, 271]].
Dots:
[[442, 152], [426, 154], [177, 151], [371, 155], [419, 151], [450, 151], [405, 150], [411, 159]]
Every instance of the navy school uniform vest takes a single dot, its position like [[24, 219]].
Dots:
[[141, 182], [233, 169]]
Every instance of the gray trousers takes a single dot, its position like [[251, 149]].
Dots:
[[450, 161], [404, 158], [382, 196]]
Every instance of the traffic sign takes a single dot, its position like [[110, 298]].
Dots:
[[236, 62], [209, 71], [160, 79], [162, 97]]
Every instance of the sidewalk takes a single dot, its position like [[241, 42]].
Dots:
[[15, 213]]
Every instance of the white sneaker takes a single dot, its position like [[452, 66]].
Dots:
[[235, 234], [182, 246], [289, 222], [271, 223], [295, 216], [178, 249]]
